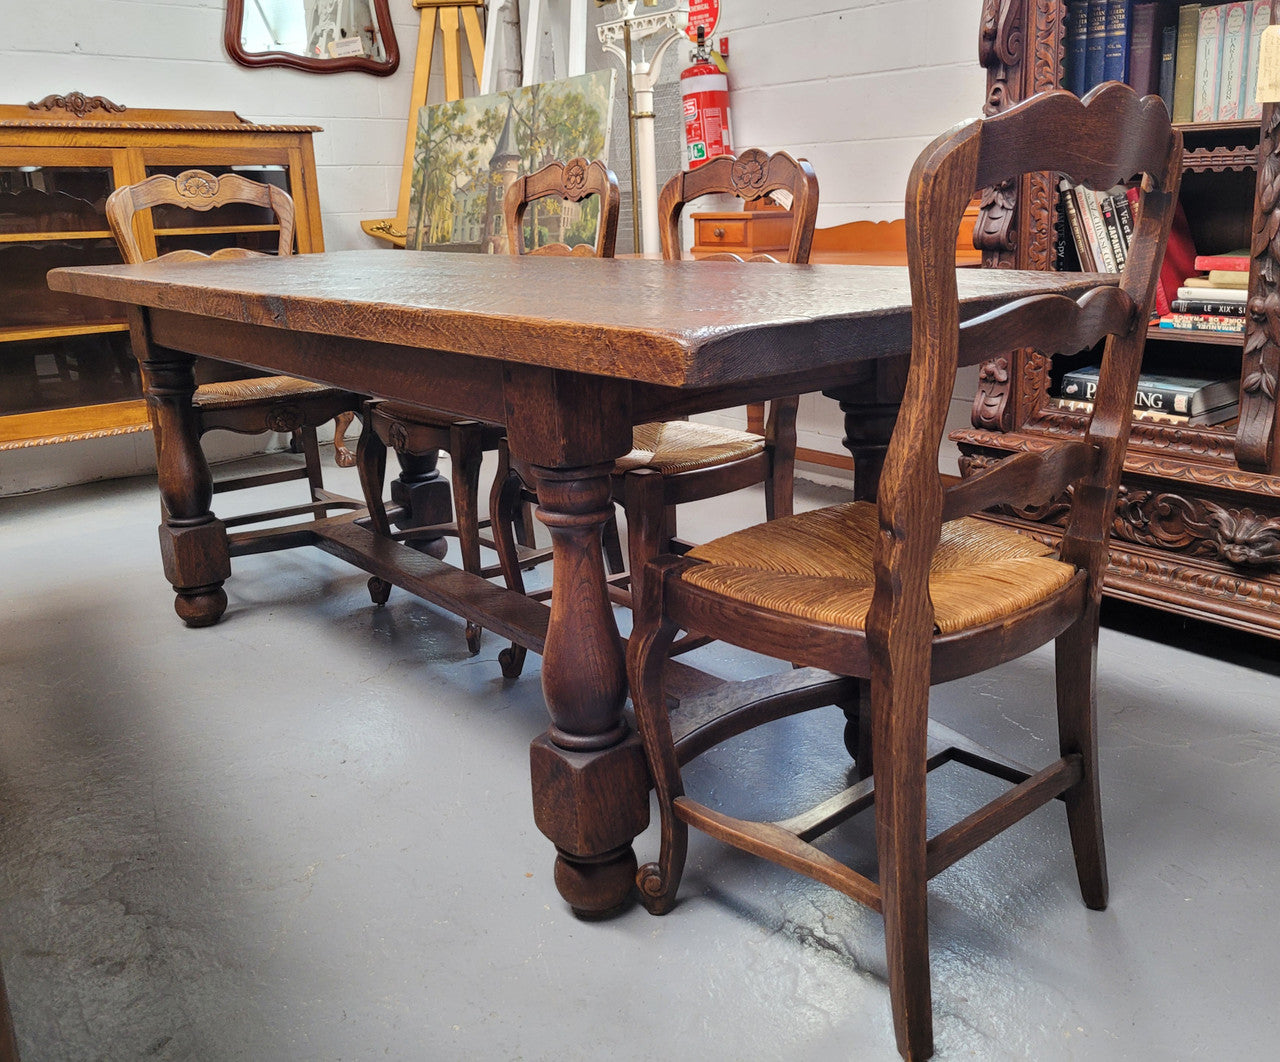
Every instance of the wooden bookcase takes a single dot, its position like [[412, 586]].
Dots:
[[1197, 528], [66, 370]]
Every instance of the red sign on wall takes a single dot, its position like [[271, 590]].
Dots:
[[702, 13]]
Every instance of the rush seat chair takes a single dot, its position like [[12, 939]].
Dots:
[[911, 589], [249, 406]]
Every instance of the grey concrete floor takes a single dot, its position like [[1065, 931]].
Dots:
[[306, 833]]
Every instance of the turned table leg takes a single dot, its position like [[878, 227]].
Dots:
[[590, 781], [193, 542]]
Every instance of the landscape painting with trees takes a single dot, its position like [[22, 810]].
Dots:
[[469, 152]]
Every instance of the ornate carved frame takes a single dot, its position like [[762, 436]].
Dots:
[[381, 68]]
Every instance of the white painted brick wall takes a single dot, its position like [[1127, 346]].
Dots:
[[856, 86]]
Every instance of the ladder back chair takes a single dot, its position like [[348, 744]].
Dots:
[[889, 597], [253, 406], [674, 462], [416, 434]]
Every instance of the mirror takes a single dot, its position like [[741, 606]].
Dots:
[[323, 36]]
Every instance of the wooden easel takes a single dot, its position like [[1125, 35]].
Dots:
[[453, 18]]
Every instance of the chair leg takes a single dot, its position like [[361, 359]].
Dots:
[[342, 455], [646, 524], [780, 474], [466, 451], [371, 462], [899, 734], [1076, 666], [647, 652], [613, 547], [311, 455], [857, 729], [505, 502]]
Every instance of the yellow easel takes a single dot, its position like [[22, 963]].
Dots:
[[453, 17]]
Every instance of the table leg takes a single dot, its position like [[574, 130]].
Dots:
[[193, 542], [424, 496], [590, 781]]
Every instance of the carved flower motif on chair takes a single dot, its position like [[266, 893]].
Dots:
[[284, 417], [398, 437], [196, 184], [575, 175], [748, 172]]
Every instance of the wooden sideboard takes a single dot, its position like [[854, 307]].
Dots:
[[66, 370]]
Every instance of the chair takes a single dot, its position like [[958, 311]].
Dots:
[[889, 597], [685, 461], [414, 432], [245, 406]]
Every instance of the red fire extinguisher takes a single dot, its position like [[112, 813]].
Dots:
[[705, 89]]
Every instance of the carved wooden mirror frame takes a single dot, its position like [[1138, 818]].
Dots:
[[316, 65]]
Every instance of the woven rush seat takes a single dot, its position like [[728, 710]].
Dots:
[[231, 394], [818, 565], [683, 446]]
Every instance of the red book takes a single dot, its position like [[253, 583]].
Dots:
[[1236, 263], [1179, 258]]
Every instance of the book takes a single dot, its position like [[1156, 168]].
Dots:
[[1074, 46], [1111, 225], [1184, 78], [1168, 53], [1167, 393], [1095, 42], [1124, 215], [1231, 74], [1229, 278], [1095, 229], [1210, 306], [1235, 260], [1204, 101], [1207, 418], [1179, 257], [1115, 54], [1201, 322], [1204, 291], [1144, 49], [1067, 205], [1259, 19]]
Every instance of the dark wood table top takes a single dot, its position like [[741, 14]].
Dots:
[[677, 324]]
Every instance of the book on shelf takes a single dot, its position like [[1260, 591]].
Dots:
[[1144, 49], [1205, 419], [1234, 260], [1231, 75], [1228, 278], [1111, 226], [1218, 309], [1168, 53], [1157, 391], [1075, 224], [1204, 322], [1259, 19], [1095, 43], [1074, 46], [1184, 75], [1179, 259], [1204, 102], [1115, 49], [1204, 291]]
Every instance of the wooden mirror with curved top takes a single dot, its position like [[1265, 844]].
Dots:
[[322, 36]]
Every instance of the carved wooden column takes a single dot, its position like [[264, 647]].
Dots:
[[1020, 45], [1257, 445]]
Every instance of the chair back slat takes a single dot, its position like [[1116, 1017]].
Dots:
[[1111, 136], [1051, 324], [1026, 479], [750, 176], [571, 182], [194, 190]]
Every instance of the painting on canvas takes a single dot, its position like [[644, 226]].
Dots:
[[470, 151]]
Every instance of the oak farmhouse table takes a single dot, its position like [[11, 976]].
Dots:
[[568, 353]]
